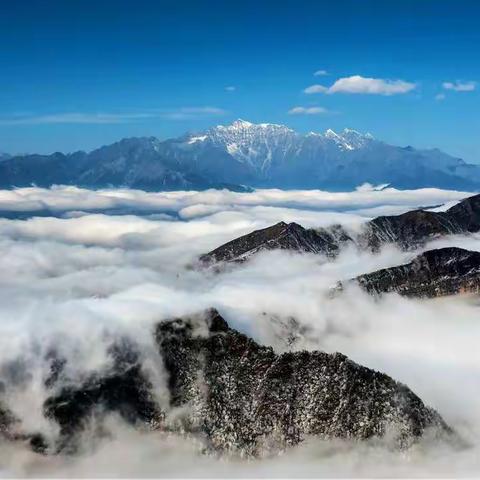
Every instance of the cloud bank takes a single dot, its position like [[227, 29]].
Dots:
[[82, 268]]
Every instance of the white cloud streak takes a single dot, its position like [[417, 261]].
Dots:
[[307, 111], [320, 73], [182, 113], [316, 89], [460, 86], [357, 84], [79, 118]]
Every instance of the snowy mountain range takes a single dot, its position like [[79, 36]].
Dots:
[[245, 154]]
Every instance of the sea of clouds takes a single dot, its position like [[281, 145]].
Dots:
[[81, 268]]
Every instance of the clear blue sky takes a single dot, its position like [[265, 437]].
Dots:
[[79, 74]]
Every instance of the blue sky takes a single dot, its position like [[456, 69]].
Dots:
[[80, 74]]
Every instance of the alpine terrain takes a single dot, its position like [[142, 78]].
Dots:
[[243, 155]]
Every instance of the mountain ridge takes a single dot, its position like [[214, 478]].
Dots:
[[408, 231], [260, 155], [239, 395], [433, 273]]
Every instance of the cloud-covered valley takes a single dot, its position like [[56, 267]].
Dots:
[[82, 268]]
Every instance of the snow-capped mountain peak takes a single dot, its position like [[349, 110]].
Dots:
[[348, 139], [263, 146], [253, 144], [238, 124], [329, 133]]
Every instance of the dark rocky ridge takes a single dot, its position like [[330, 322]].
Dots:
[[408, 230], [445, 271], [412, 229], [285, 236], [243, 397]]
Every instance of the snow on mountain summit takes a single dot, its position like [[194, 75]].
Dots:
[[253, 144], [263, 145], [348, 139]]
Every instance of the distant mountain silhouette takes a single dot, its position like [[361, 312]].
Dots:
[[243, 153]]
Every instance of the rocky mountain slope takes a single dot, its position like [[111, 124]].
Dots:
[[243, 153], [445, 271], [414, 228], [285, 236], [240, 396], [408, 230]]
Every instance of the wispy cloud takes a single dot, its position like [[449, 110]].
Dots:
[[316, 89], [307, 111], [109, 118], [356, 84], [320, 73], [440, 96], [186, 113], [230, 88], [92, 118], [460, 86]]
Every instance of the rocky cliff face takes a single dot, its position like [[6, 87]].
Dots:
[[409, 231], [243, 397], [446, 271]]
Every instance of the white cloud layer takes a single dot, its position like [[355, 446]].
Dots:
[[73, 201], [356, 84], [114, 262]]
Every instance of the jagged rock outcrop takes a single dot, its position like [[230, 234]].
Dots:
[[435, 273], [245, 398], [408, 231], [285, 236]]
